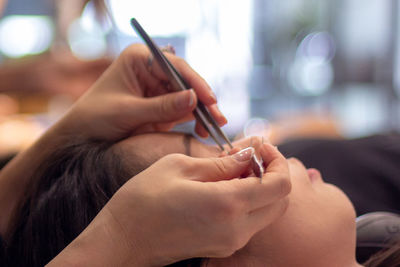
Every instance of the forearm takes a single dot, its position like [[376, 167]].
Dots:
[[16, 176], [102, 244]]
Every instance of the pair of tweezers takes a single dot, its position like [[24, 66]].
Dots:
[[179, 84]]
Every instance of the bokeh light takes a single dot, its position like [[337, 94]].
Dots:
[[25, 35], [311, 73], [257, 127], [87, 39]]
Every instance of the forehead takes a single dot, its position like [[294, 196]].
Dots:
[[139, 152], [155, 142]]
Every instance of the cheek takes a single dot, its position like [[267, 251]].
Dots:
[[340, 212], [318, 226]]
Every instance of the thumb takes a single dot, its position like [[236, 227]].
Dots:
[[168, 107], [225, 168]]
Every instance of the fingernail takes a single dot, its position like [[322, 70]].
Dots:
[[224, 120], [213, 96], [184, 100], [244, 154], [191, 100]]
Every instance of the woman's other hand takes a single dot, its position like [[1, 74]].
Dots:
[[130, 97], [133, 96], [183, 207]]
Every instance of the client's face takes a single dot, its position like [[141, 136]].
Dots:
[[318, 228]]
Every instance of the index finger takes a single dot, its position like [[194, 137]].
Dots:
[[274, 161], [275, 183], [195, 81], [199, 85]]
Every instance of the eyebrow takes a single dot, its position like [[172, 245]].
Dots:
[[190, 143]]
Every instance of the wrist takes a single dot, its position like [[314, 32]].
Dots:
[[100, 244], [68, 127], [140, 240]]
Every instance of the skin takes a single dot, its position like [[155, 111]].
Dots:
[[317, 229], [114, 108], [197, 204], [133, 98], [128, 98], [2, 4]]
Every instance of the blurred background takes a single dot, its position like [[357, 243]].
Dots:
[[289, 68]]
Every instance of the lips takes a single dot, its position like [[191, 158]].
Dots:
[[314, 175]]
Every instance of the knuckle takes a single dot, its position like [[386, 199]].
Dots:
[[134, 52], [178, 61], [221, 166], [285, 186], [227, 251], [284, 205], [131, 50], [225, 211], [280, 208], [174, 159], [231, 237], [224, 253], [229, 242], [293, 160], [224, 250], [164, 109], [235, 240], [126, 52], [256, 142]]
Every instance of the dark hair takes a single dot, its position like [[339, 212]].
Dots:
[[70, 189], [385, 258]]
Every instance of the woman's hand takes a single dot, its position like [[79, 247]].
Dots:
[[130, 97], [184, 207], [135, 97]]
